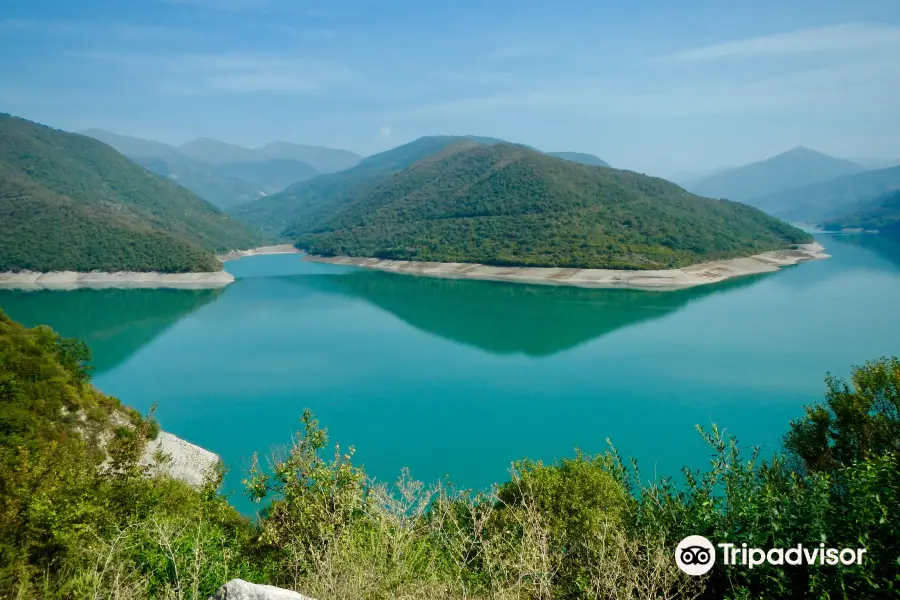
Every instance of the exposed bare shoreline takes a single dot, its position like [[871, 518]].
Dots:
[[279, 249], [70, 280], [670, 279]]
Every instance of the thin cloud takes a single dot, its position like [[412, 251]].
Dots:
[[248, 6], [519, 50], [834, 38], [861, 85], [118, 30], [226, 5], [200, 73]]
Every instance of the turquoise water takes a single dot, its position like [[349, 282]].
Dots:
[[460, 378]]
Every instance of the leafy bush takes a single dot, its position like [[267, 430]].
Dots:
[[854, 423]]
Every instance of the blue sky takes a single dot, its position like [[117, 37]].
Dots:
[[653, 85]]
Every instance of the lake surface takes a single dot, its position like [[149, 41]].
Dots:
[[460, 378]]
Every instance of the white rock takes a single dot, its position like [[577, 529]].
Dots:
[[185, 461], [238, 589]]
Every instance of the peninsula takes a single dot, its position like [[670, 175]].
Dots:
[[507, 212], [666, 279]]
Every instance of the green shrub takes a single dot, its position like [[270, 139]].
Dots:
[[855, 423], [80, 519]]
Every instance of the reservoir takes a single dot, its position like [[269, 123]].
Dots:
[[456, 378]]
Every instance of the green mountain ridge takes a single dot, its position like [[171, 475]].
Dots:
[[833, 198], [301, 202], [507, 205], [882, 214], [70, 202], [275, 213], [797, 167]]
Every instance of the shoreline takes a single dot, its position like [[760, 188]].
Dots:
[[664, 280], [72, 280], [278, 249]]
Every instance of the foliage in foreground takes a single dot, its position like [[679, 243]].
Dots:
[[74, 526]]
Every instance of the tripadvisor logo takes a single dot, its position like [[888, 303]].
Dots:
[[696, 555]]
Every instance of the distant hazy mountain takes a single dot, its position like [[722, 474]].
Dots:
[[840, 196], [689, 177], [881, 214], [270, 175], [226, 174], [133, 147], [504, 204], [877, 163], [205, 180], [71, 202], [216, 152], [579, 157], [794, 168], [324, 160]]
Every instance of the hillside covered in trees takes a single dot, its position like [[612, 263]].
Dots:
[[70, 202], [882, 215], [276, 212], [508, 205], [273, 214]]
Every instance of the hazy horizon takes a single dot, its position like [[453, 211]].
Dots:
[[650, 86]]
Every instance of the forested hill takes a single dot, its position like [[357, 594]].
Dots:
[[278, 211], [70, 202], [508, 205], [303, 200], [882, 215]]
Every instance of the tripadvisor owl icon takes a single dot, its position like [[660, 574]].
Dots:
[[695, 555]]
